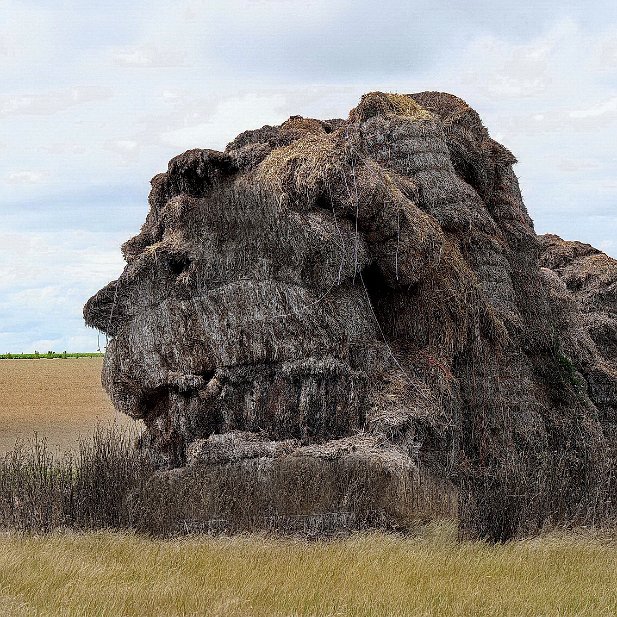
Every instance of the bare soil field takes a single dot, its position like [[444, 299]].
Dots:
[[60, 400]]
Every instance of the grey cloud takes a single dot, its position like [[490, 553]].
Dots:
[[371, 40]]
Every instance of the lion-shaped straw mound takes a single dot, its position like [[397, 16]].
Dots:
[[347, 321]]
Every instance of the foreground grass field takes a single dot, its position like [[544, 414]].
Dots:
[[369, 575]]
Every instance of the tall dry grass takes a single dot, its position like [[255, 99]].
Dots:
[[108, 483], [92, 488], [108, 574]]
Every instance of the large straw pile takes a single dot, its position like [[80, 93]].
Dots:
[[349, 317]]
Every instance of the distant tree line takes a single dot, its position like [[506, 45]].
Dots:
[[50, 355]]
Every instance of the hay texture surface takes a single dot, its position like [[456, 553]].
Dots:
[[369, 296]]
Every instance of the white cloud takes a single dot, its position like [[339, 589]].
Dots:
[[127, 145], [45, 280], [605, 51], [64, 148], [149, 56], [608, 246], [127, 149], [49, 295], [501, 69], [50, 102], [26, 36], [32, 259], [173, 94], [602, 109], [229, 119], [26, 177], [577, 165]]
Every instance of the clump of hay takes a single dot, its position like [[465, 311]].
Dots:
[[383, 103], [301, 170]]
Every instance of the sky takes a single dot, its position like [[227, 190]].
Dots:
[[96, 97]]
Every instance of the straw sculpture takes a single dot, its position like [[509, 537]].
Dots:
[[355, 319]]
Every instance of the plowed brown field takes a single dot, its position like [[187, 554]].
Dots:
[[61, 400]]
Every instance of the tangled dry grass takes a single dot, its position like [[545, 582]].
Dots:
[[108, 483], [42, 490]]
